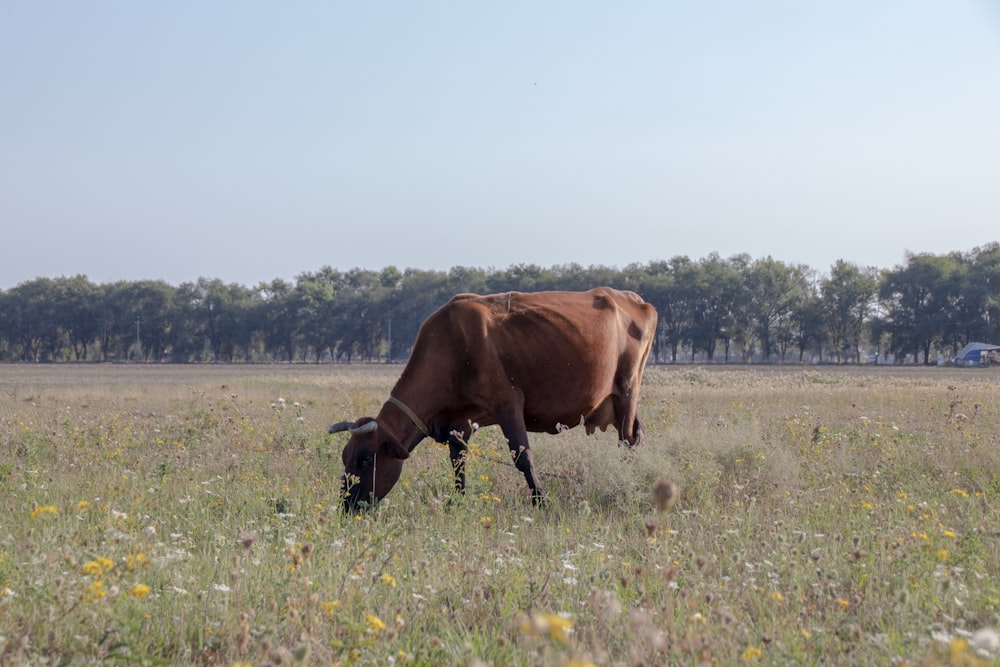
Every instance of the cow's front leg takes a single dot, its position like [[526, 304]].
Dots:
[[511, 422], [524, 463], [459, 452]]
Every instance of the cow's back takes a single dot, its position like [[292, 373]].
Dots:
[[563, 352]]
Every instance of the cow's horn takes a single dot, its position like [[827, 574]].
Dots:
[[339, 426], [367, 427]]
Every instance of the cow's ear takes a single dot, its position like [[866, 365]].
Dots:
[[394, 448]]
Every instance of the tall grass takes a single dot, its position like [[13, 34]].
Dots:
[[191, 516]]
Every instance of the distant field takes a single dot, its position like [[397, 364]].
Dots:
[[190, 515]]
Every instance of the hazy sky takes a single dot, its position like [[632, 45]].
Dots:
[[256, 140]]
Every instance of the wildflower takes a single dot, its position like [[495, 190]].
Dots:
[[330, 606], [942, 555], [555, 626], [778, 597], [139, 591], [375, 624], [44, 509], [949, 534], [844, 604], [959, 492], [956, 649], [94, 591], [97, 567], [133, 561], [388, 580], [751, 654]]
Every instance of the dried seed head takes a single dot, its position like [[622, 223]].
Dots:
[[665, 494], [247, 539], [651, 525]]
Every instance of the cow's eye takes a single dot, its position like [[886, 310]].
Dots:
[[366, 460]]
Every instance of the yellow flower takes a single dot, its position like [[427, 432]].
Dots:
[[329, 606], [133, 561], [95, 591], [956, 649], [778, 597], [959, 492], [375, 624], [44, 509], [949, 534], [139, 591], [555, 626], [97, 567], [752, 653], [844, 604], [388, 580], [942, 555]]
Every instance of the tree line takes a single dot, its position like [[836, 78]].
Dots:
[[715, 309]]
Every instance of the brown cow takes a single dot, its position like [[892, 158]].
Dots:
[[539, 362]]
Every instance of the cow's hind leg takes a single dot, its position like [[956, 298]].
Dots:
[[638, 432], [627, 422]]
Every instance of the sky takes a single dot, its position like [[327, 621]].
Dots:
[[249, 141]]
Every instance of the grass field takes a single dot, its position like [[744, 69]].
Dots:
[[190, 515]]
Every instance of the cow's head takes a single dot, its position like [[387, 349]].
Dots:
[[373, 460]]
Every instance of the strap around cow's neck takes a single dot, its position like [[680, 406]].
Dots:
[[411, 414]]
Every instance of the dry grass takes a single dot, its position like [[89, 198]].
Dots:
[[190, 515]]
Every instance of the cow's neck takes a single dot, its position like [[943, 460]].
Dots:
[[407, 418]]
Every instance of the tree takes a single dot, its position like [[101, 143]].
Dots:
[[916, 296], [76, 304], [708, 288], [847, 296], [776, 290]]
